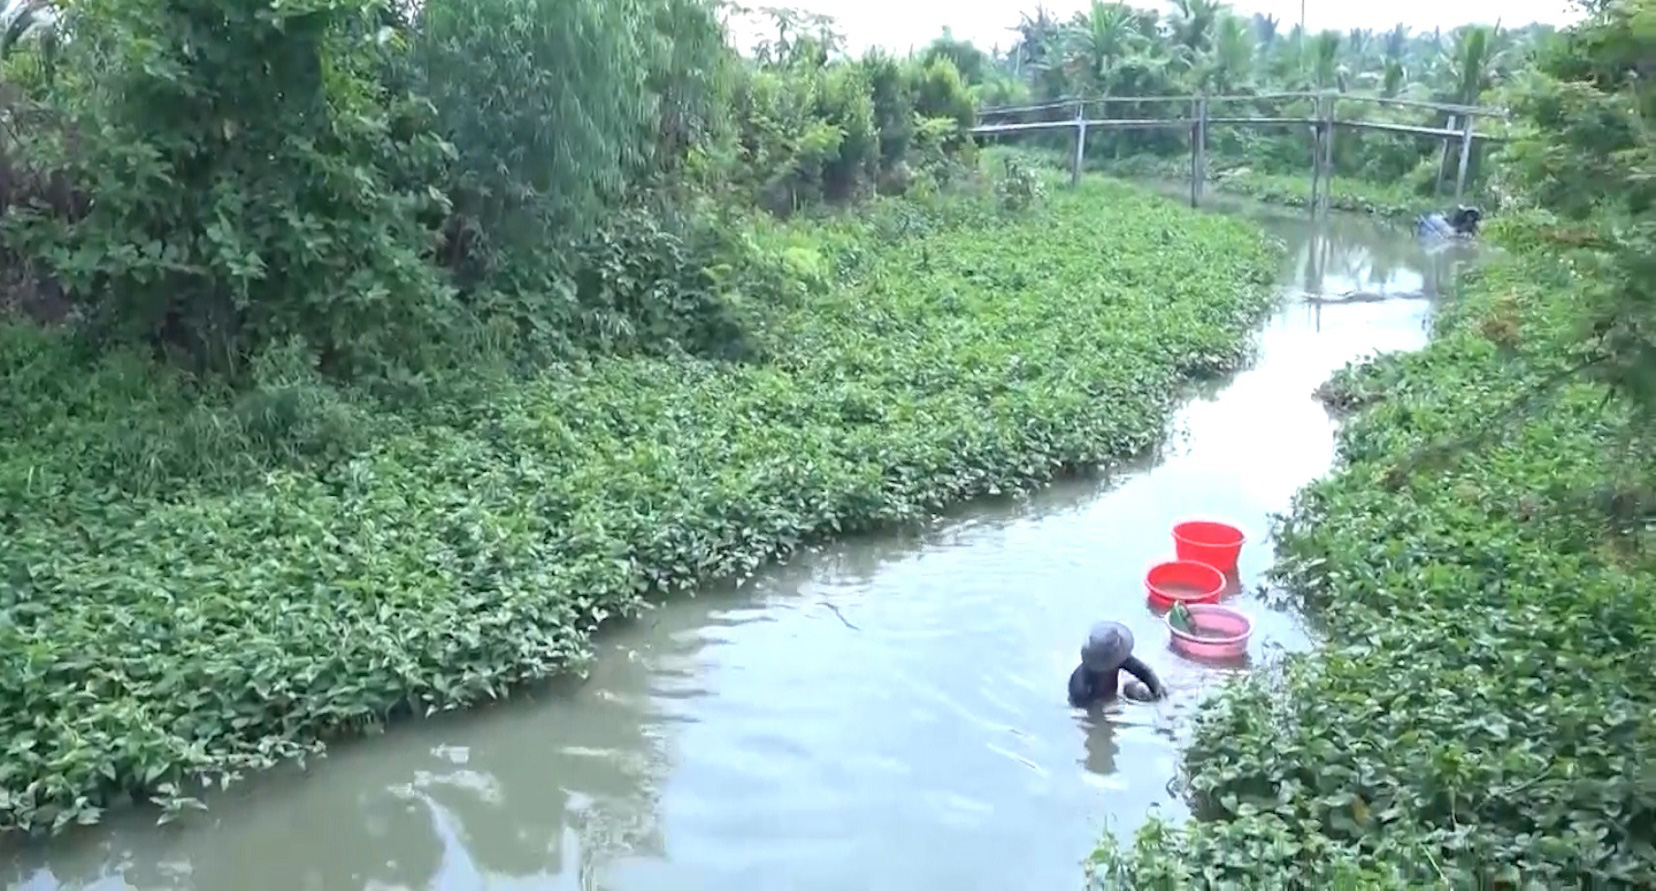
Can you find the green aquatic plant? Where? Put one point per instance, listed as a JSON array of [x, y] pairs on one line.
[[1476, 714], [186, 598], [1179, 618]]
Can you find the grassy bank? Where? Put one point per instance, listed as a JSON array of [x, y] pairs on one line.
[[1348, 194], [1388, 201], [1480, 710], [200, 587]]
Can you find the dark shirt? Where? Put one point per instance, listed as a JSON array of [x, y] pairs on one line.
[[1087, 686]]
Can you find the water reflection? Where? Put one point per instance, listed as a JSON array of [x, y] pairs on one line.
[[456, 802], [1100, 746], [1337, 264], [887, 713]]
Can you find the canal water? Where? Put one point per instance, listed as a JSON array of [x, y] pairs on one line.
[[884, 714]]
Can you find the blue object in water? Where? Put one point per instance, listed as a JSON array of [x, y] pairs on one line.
[[1463, 223], [1433, 225]]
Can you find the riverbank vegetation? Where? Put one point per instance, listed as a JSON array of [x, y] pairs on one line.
[[376, 393], [1387, 201], [1481, 562]]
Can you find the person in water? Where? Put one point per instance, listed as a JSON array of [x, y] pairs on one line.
[[1466, 219], [1461, 223], [1107, 652]]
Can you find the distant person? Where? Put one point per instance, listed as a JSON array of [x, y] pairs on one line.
[[1462, 223], [1466, 219], [1108, 652]]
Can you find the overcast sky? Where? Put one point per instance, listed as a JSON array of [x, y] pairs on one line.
[[899, 24]]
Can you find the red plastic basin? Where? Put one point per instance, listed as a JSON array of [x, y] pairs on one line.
[[1221, 633], [1206, 541], [1184, 581]]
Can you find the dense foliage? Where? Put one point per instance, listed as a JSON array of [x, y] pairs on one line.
[[194, 588], [430, 179], [1118, 50], [1482, 562]]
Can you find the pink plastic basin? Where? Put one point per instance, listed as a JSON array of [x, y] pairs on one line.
[[1206, 541], [1183, 580], [1222, 633]]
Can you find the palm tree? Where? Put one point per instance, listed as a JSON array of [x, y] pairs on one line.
[[1193, 22], [1287, 65], [1035, 37], [1466, 64], [1359, 45], [1230, 67], [1326, 70], [1040, 53], [1265, 30], [1096, 43]]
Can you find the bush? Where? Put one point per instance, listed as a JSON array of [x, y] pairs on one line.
[[228, 216], [508, 77], [660, 280], [941, 94], [1018, 187], [816, 131], [565, 119], [892, 92], [464, 174], [175, 626]]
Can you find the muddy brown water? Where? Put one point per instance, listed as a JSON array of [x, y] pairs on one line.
[[887, 713]]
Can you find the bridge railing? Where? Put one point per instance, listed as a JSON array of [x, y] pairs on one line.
[[1322, 121]]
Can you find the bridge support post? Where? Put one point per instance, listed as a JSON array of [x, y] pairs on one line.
[[1198, 149], [1080, 144], [1443, 161], [1316, 153], [1465, 156], [1328, 153]]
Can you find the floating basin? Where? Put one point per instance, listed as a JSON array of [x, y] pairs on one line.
[[1220, 632], [1209, 541], [1183, 581]]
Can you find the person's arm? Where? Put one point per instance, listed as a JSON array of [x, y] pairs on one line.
[[1136, 667], [1080, 687]]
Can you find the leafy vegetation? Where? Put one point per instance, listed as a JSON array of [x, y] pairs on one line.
[[195, 587], [376, 391], [1499, 491]]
